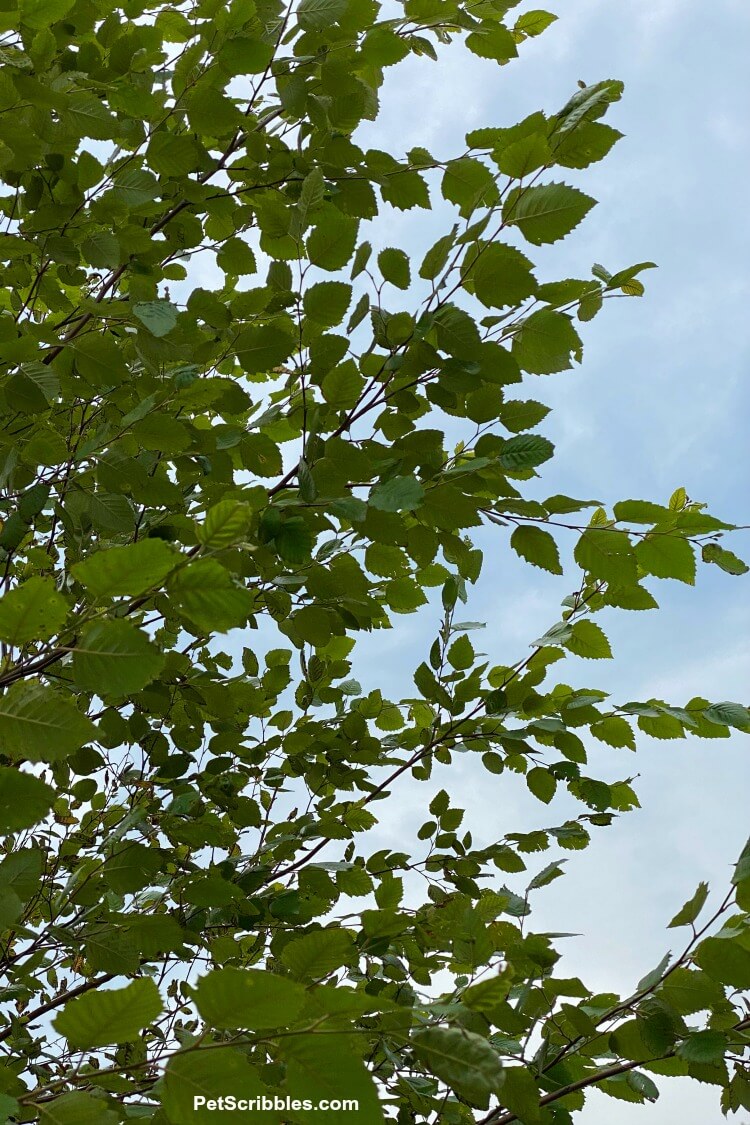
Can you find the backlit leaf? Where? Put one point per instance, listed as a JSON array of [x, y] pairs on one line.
[[537, 547], [547, 212], [41, 725], [115, 658], [33, 611], [114, 1015]]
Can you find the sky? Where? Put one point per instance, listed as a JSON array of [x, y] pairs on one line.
[[661, 400]]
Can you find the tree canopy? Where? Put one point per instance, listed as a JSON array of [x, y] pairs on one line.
[[236, 439]]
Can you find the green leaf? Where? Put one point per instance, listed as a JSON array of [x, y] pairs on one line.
[[724, 559], [21, 872], [542, 784], [502, 276], [615, 731], [590, 305], [106, 1016], [226, 523], [210, 112], [318, 953], [173, 156], [360, 260], [260, 350], [78, 1108], [557, 635], [236, 257], [725, 961], [111, 513], [397, 494], [704, 1047], [547, 875], [134, 186], [728, 714], [563, 505], [518, 415], [520, 1094], [319, 14], [101, 249], [524, 156], [132, 866], [667, 556], [466, 1062], [607, 555], [469, 184], [40, 725], [546, 213], [659, 1025], [127, 571], [326, 303], [208, 1075], [661, 726], [248, 998], [9, 1109], [405, 190], [588, 640], [294, 541], [99, 361], [588, 102], [324, 1067], [630, 597], [639, 511], [461, 653], [343, 385], [742, 867], [546, 343], [625, 279], [33, 611], [115, 658], [89, 117], [404, 595], [311, 195], [33, 387], [589, 143], [394, 266], [24, 800], [43, 13], [492, 41], [643, 1085], [331, 243], [534, 22], [206, 594], [436, 257], [457, 334], [691, 990], [159, 317], [489, 993], [692, 908], [525, 452], [537, 547]]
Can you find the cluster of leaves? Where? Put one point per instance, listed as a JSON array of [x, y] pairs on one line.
[[188, 904]]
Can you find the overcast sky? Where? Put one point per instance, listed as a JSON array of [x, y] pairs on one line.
[[661, 400]]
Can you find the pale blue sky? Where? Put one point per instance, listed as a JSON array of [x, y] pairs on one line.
[[660, 401]]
